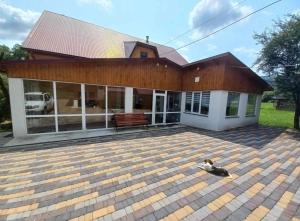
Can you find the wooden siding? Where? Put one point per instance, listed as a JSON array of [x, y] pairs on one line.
[[238, 79], [149, 73], [142, 74], [138, 49], [211, 77]]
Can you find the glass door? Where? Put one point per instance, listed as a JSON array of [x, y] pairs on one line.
[[159, 109]]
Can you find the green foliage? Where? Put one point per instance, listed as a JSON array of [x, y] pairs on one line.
[[15, 53], [280, 56], [269, 116], [268, 96]]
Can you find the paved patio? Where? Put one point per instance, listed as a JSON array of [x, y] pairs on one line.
[[153, 175]]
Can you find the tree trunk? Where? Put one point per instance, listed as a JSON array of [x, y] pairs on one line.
[[297, 115]]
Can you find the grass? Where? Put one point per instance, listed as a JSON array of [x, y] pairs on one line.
[[269, 116]]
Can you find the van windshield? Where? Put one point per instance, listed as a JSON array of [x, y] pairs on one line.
[[34, 97]]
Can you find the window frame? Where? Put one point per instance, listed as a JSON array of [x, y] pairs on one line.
[[200, 103], [238, 106], [255, 105]]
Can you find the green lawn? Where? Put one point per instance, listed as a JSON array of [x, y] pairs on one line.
[[269, 116]]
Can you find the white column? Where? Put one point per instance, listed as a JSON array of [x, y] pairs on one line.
[[128, 99], [183, 96], [153, 107], [17, 106], [243, 106]]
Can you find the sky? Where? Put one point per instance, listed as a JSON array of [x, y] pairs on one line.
[[162, 20]]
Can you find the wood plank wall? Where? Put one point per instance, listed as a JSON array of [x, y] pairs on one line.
[[211, 77], [150, 74], [143, 74]]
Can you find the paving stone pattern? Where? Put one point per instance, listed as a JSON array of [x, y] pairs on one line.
[[153, 175]]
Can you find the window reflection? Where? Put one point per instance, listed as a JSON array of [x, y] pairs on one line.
[[142, 100], [173, 101], [68, 98], [94, 99], [116, 99], [38, 97]]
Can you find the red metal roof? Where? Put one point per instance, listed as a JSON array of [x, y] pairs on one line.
[[61, 34]]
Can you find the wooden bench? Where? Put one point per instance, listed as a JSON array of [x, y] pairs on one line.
[[127, 120]]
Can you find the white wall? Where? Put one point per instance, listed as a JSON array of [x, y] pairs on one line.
[[216, 119], [17, 105]]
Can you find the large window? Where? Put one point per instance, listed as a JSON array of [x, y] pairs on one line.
[[142, 100], [39, 106], [197, 102], [69, 107], [251, 105], [205, 98], [173, 101], [232, 108], [68, 98], [188, 102], [94, 99], [38, 97], [173, 107], [116, 99]]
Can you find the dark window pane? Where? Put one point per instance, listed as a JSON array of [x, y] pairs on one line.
[[68, 98], [160, 103], [251, 105], [173, 101], [196, 102], [205, 102], [40, 125], [144, 54], [142, 100], [116, 99], [94, 99], [232, 108], [109, 121], [38, 97], [173, 118], [95, 122], [188, 101], [159, 118], [69, 123]]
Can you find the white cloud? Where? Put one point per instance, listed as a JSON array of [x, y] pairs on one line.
[[250, 52], [209, 15], [15, 22], [105, 4]]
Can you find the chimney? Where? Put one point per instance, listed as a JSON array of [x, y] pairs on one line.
[[147, 39]]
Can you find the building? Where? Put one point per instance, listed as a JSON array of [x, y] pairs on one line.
[[80, 74]]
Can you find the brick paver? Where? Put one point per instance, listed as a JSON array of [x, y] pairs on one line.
[[154, 176]]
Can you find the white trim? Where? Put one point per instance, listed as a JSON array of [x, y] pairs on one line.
[[106, 107], [83, 119], [55, 106]]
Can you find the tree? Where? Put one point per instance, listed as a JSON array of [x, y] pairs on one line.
[[280, 57], [15, 53]]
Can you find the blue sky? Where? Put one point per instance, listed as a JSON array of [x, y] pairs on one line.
[[160, 19]]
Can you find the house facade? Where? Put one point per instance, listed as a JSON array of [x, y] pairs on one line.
[[79, 75]]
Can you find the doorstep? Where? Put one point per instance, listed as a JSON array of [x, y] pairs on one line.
[[75, 135]]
